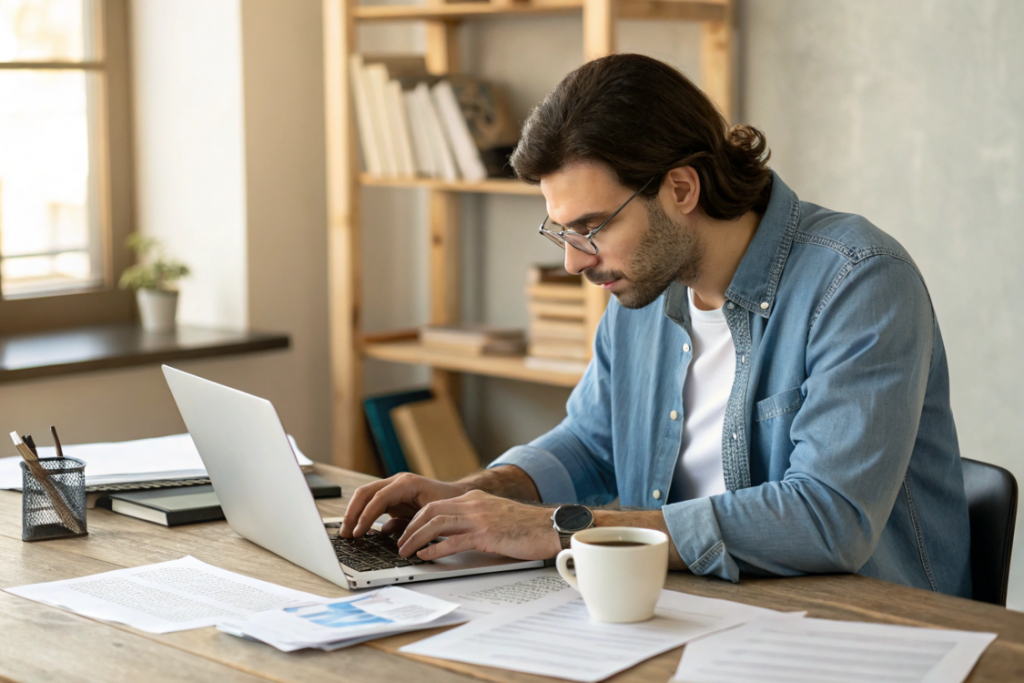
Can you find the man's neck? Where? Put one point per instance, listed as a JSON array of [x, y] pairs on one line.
[[725, 243]]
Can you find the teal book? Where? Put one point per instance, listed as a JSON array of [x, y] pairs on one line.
[[378, 415]]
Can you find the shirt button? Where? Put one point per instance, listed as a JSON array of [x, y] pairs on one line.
[[674, 415], [731, 305], [734, 437], [656, 494], [764, 305], [686, 348], [743, 359]]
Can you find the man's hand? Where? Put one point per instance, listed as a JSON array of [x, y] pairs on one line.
[[481, 521], [400, 496]]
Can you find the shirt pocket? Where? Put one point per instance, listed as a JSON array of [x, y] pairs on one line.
[[788, 401]]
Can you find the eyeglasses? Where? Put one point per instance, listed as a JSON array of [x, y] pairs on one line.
[[584, 243]]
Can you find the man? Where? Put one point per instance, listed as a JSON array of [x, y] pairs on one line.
[[769, 385]]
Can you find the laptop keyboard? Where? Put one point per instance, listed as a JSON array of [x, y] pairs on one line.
[[373, 551]]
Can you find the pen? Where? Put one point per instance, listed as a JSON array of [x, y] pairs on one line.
[[30, 443], [56, 442], [60, 506]]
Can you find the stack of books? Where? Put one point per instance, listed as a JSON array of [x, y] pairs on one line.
[[475, 340], [413, 124], [558, 335]]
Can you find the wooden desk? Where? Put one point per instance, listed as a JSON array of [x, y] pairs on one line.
[[41, 643]]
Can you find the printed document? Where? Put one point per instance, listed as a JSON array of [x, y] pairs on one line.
[[343, 622], [124, 462], [554, 635], [826, 651], [166, 597], [490, 593]]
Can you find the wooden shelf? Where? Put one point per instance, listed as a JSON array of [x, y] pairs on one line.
[[684, 10], [509, 367], [489, 186]]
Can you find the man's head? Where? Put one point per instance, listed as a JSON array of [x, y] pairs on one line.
[[610, 127]]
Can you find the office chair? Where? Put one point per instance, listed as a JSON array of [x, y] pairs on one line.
[[992, 506]]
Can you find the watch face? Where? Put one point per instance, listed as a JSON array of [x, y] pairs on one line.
[[571, 518]]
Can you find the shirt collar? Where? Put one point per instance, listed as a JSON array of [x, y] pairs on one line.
[[757, 279]]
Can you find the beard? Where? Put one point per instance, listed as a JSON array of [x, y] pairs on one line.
[[668, 252]]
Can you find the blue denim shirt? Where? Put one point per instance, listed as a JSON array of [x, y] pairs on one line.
[[839, 448]]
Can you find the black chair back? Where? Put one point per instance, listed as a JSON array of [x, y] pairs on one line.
[[992, 504]]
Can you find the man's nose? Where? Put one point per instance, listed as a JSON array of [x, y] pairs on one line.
[[576, 261]]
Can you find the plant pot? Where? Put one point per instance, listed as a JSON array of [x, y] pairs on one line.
[[157, 309]]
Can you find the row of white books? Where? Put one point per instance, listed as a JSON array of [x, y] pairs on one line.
[[423, 125]]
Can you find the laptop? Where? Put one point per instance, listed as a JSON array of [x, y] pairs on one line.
[[265, 498]]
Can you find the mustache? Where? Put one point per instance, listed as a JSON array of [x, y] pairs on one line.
[[599, 278]]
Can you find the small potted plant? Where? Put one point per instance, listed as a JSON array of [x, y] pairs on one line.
[[154, 280]]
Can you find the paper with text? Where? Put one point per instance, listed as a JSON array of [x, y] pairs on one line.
[[554, 635], [825, 651], [166, 597], [489, 593]]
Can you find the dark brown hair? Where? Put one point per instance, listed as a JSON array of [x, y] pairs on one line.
[[641, 118]]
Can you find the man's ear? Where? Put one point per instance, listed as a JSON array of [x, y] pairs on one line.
[[683, 187]]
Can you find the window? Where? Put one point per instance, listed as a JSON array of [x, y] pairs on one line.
[[65, 191]]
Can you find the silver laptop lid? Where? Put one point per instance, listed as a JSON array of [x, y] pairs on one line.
[[254, 471]]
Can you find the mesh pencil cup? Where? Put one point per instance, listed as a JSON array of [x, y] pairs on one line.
[[41, 518]]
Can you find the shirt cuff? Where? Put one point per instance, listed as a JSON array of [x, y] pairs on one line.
[[694, 530], [548, 473]]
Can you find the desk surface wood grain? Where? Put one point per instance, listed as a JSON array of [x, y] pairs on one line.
[[42, 643]]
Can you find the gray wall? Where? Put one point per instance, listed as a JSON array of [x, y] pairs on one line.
[[911, 113]]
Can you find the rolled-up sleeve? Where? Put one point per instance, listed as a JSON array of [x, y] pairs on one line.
[[547, 472]]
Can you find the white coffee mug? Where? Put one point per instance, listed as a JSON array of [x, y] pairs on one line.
[[620, 582]]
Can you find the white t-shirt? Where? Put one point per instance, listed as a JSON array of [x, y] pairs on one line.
[[698, 472]]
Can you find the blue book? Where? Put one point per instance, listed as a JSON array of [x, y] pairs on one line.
[[378, 415]]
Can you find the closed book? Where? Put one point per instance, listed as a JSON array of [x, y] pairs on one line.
[[377, 80], [434, 439], [558, 292], [444, 161], [554, 273], [573, 367], [493, 347], [467, 156], [556, 309], [364, 116], [490, 122], [378, 415], [189, 504], [400, 128], [418, 131], [552, 328]]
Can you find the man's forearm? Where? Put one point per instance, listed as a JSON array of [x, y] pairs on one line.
[[646, 519], [507, 481]]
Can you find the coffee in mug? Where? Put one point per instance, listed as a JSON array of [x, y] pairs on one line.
[[620, 571]]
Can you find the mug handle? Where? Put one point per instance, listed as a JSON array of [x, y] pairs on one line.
[[562, 564]]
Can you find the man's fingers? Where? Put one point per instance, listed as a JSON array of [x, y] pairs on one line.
[[442, 525], [355, 508], [449, 546], [452, 506], [392, 495], [395, 525]]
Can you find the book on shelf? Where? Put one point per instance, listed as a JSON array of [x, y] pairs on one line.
[[556, 309], [554, 273], [411, 123], [434, 439], [553, 328], [574, 367], [555, 291], [378, 416], [477, 340]]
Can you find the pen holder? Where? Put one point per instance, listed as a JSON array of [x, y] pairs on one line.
[[40, 518]]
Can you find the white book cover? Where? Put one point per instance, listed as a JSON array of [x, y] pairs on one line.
[[420, 138], [471, 167], [400, 127], [440, 149], [377, 77], [364, 118]]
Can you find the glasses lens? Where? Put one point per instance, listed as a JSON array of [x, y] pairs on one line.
[[580, 242], [554, 238]]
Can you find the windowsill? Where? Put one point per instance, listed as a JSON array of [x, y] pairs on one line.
[[120, 345]]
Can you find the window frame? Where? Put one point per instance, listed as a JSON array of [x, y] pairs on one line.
[[113, 182]]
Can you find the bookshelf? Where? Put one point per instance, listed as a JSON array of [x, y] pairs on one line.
[[349, 348]]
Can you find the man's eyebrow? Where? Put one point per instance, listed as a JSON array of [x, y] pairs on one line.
[[586, 218]]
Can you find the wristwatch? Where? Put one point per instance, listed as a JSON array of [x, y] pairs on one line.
[[568, 519]]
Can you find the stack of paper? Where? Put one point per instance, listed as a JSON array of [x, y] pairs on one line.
[[344, 622], [826, 651], [126, 462], [554, 636]]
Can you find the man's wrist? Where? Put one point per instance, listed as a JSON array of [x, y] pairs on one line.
[[507, 481]]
